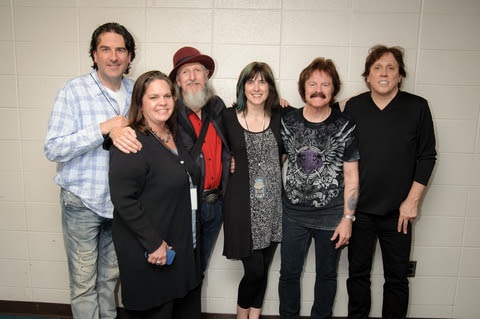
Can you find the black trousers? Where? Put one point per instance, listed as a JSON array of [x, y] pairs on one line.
[[395, 247]]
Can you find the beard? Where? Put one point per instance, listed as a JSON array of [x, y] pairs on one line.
[[196, 101]]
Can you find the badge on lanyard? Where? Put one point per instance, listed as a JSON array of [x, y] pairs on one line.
[[193, 197]]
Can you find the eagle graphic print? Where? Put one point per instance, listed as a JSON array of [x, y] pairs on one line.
[[315, 153]]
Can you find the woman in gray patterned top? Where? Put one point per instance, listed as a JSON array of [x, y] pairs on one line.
[[252, 205]]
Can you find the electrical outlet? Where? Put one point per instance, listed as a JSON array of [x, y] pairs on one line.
[[412, 267]]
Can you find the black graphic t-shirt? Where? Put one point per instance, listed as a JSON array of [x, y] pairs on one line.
[[314, 179]]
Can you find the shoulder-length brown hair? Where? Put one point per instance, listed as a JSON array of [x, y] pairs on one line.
[[376, 52], [320, 64], [135, 113]]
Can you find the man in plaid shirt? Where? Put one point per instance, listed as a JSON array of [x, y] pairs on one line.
[[85, 110]]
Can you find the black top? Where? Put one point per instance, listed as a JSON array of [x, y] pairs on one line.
[[150, 191], [397, 147], [236, 203]]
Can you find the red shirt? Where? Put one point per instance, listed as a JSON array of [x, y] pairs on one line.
[[212, 153]]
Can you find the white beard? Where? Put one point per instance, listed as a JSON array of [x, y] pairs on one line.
[[196, 101]]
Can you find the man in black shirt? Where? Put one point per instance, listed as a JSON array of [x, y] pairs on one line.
[[321, 189], [397, 156]]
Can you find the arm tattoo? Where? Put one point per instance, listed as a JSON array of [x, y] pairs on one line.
[[353, 200]]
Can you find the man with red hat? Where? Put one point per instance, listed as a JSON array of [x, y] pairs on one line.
[[200, 128]]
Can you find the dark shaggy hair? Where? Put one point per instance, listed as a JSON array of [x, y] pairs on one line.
[[116, 28], [377, 52]]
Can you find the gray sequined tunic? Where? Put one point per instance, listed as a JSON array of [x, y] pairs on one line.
[[265, 188]]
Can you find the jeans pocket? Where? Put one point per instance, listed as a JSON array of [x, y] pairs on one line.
[[71, 202], [207, 213]]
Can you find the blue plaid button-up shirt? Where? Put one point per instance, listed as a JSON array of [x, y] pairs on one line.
[[74, 139]]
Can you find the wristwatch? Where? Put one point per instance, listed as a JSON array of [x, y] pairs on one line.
[[350, 217]]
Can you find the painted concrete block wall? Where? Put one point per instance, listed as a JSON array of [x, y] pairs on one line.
[[43, 43]]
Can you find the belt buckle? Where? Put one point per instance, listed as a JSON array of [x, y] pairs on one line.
[[211, 198]]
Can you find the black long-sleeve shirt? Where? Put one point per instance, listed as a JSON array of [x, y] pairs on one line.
[[397, 147]]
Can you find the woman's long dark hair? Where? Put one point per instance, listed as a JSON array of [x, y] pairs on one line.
[[251, 71]]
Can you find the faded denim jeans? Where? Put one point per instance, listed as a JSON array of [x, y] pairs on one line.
[[211, 221], [92, 262]]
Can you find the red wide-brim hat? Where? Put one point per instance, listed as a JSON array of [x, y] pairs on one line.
[[187, 55]]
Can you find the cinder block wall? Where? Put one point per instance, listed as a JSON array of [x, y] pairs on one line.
[[43, 43]]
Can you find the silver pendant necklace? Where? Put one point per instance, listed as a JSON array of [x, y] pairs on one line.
[[259, 185]]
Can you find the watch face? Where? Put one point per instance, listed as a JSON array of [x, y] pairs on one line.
[[350, 217]]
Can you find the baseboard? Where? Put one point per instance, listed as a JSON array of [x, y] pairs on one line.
[[26, 308], [43, 309], [63, 311]]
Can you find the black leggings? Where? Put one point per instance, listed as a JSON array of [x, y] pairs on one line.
[[251, 289]]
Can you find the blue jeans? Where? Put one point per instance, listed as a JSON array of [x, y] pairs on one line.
[[92, 262], [210, 222], [395, 248], [294, 247]]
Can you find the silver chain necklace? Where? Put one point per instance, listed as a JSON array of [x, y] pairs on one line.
[[246, 124]]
